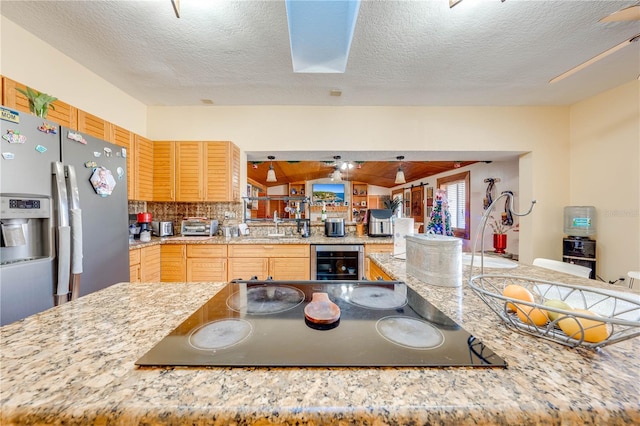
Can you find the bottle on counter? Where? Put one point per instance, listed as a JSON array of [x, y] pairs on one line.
[[324, 213]]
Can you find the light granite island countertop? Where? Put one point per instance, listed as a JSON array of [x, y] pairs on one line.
[[74, 364]]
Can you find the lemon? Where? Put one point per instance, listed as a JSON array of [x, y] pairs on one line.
[[531, 315], [514, 291], [594, 331], [558, 304]]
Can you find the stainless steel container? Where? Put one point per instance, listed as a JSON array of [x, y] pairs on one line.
[[334, 227], [162, 228], [379, 222]]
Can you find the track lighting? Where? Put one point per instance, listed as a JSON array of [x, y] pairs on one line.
[[400, 173], [271, 174]]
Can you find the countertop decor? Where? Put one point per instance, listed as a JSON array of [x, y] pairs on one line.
[[74, 364]]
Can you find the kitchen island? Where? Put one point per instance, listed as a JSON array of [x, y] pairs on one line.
[[74, 364]]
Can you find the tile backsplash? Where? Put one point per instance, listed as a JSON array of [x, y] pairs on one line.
[[175, 212]]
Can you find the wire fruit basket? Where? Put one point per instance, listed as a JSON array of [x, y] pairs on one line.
[[563, 313]]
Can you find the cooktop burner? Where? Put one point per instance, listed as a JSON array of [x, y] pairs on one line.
[[262, 323], [266, 299]]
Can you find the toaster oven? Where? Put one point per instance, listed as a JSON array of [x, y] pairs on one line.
[[199, 226]]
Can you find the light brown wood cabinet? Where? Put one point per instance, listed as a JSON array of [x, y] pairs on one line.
[[63, 114], [164, 164], [124, 138], [279, 261], [174, 263], [143, 169], [196, 171], [376, 273], [94, 126], [374, 248], [206, 262], [144, 264]]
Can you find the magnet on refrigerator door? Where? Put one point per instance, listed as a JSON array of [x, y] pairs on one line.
[[14, 137], [102, 181], [76, 137]]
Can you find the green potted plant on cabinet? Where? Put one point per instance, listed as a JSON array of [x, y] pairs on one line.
[[39, 103]]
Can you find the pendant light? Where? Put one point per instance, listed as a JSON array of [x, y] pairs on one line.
[[271, 174], [400, 173]]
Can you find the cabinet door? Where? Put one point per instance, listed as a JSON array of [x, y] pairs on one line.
[[164, 171], [246, 267], [124, 138], [150, 264], [222, 171], [143, 168], [63, 114], [376, 273], [174, 263], [94, 126], [206, 269], [281, 268], [374, 248], [134, 266], [189, 171]]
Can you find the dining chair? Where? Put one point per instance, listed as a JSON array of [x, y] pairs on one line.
[[633, 275], [568, 268]]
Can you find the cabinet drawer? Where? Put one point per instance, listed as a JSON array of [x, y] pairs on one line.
[[378, 248], [134, 257], [199, 270], [247, 267], [269, 250], [172, 251], [207, 250]]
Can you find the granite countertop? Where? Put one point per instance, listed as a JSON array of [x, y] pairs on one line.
[[256, 239], [74, 364]]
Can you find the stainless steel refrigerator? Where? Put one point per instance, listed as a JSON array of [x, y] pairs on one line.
[[63, 215]]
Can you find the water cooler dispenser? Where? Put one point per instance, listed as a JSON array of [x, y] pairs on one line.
[[577, 247]]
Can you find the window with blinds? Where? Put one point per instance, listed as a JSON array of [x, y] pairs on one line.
[[457, 187], [456, 197]]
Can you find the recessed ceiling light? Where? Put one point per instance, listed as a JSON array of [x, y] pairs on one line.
[[206, 101], [335, 92]]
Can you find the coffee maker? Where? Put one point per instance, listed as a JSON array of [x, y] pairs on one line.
[[144, 227]]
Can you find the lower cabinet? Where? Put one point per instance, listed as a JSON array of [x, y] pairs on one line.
[[144, 264], [376, 273], [374, 248], [278, 261], [206, 262], [174, 263]]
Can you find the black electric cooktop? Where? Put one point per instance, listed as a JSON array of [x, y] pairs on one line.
[[263, 324]]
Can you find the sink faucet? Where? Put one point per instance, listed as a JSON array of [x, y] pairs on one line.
[[275, 219]]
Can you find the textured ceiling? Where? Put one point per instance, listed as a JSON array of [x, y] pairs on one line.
[[403, 52]]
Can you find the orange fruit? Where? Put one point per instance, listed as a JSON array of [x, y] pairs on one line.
[[594, 331], [514, 291], [531, 315]]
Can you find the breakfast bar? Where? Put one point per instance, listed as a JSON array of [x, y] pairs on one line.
[[75, 364]]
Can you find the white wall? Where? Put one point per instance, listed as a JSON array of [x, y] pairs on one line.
[[29, 60], [604, 172], [508, 175]]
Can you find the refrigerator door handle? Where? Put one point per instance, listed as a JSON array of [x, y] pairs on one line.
[[64, 235], [75, 219]]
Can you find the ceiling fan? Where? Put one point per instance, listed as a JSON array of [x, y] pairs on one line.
[[631, 13]]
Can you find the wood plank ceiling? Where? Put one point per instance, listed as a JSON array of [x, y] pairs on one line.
[[380, 173]]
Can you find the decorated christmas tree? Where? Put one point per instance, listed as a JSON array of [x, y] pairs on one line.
[[440, 220]]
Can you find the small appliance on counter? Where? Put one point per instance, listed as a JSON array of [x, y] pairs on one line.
[[334, 227], [143, 227], [162, 228], [199, 226], [379, 221]]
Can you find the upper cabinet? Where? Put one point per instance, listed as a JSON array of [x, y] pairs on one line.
[[124, 138], [164, 163], [196, 171], [143, 166], [94, 126], [222, 171], [63, 114]]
